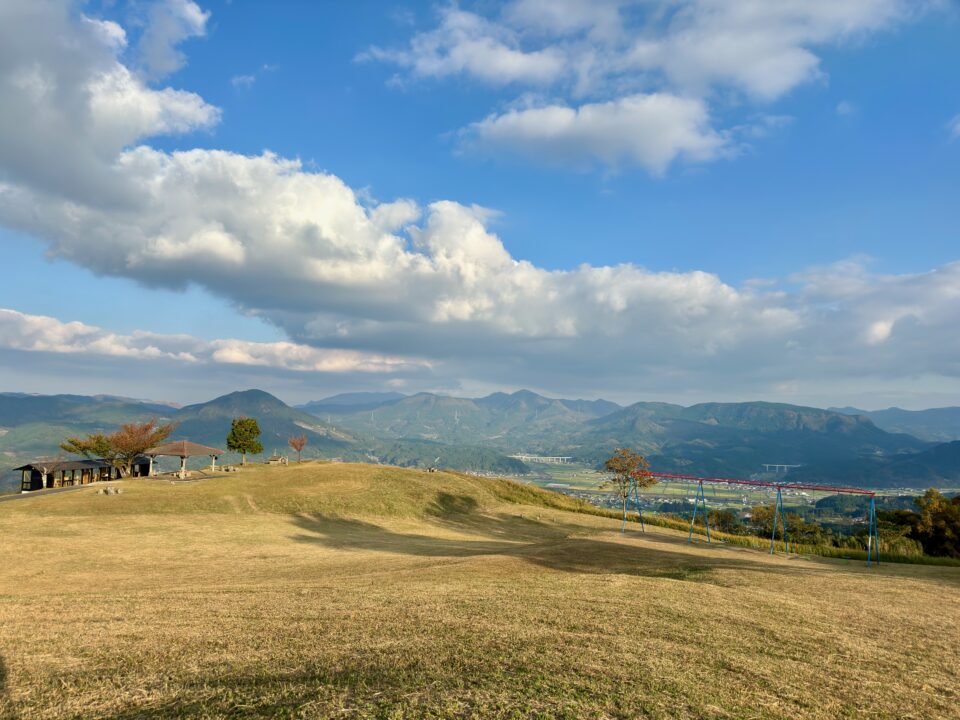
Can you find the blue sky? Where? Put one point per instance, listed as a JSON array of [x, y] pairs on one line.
[[799, 241]]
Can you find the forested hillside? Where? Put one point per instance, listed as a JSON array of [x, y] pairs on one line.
[[478, 434]]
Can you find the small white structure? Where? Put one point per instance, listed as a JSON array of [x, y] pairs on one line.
[[549, 459]]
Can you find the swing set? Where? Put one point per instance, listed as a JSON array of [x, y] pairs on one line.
[[873, 536]]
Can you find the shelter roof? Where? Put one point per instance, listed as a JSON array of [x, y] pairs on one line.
[[56, 465], [183, 449], [52, 465]]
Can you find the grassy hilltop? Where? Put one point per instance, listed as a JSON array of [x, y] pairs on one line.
[[360, 591]]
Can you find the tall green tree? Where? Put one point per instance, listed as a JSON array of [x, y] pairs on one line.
[[244, 438], [627, 467]]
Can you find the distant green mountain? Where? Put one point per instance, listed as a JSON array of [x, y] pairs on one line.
[[20, 408], [518, 421], [33, 426], [937, 466], [350, 402], [732, 439], [735, 439], [209, 423], [935, 425]]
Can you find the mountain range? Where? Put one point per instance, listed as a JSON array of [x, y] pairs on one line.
[[840, 446], [934, 425]]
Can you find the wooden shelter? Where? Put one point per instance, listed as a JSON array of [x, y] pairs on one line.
[[55, 473], [184, 449]]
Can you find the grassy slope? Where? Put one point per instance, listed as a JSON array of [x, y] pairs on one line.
[[354, 591]]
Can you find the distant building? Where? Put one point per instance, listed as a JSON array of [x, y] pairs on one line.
[[44, 474]]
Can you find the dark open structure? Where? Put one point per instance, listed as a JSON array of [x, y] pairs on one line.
[[44, 474]]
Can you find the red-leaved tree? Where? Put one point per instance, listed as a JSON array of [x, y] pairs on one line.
[[298, 443]]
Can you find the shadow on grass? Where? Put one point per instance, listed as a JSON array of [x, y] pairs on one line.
[[381, 689], [547, 543]]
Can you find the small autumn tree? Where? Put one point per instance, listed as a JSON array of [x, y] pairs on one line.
[[132, 439], [122, 447], [626, 468], [297, 443], [244, 437]]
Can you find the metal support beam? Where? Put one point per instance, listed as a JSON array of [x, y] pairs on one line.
[[700, 497], [636, 501], [778, 508], [873, 535]]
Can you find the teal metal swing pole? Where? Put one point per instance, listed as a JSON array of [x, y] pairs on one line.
[[626, 502], [706, 513], [696, 502], [700, 497], [778, 509], [636, 501], [873, 534]]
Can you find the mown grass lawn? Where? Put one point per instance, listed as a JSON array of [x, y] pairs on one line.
[[358, 591]]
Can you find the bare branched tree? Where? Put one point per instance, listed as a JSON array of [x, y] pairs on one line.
[[298, 443]]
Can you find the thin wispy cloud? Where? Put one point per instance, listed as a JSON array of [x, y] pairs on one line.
[[845, 108], [954, 127], [43, 334], [245, 82]]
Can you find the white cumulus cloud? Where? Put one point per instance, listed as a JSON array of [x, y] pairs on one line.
[[598, 57], [466, 43], [70, 106], [646, 130], [169, 23]]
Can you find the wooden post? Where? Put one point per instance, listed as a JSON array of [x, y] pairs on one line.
[[213, 463], [183, 468], [150, 469]]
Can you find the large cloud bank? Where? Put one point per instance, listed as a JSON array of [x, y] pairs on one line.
[[360, 285]]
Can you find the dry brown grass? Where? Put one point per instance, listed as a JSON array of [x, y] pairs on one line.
[[296, 592]]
